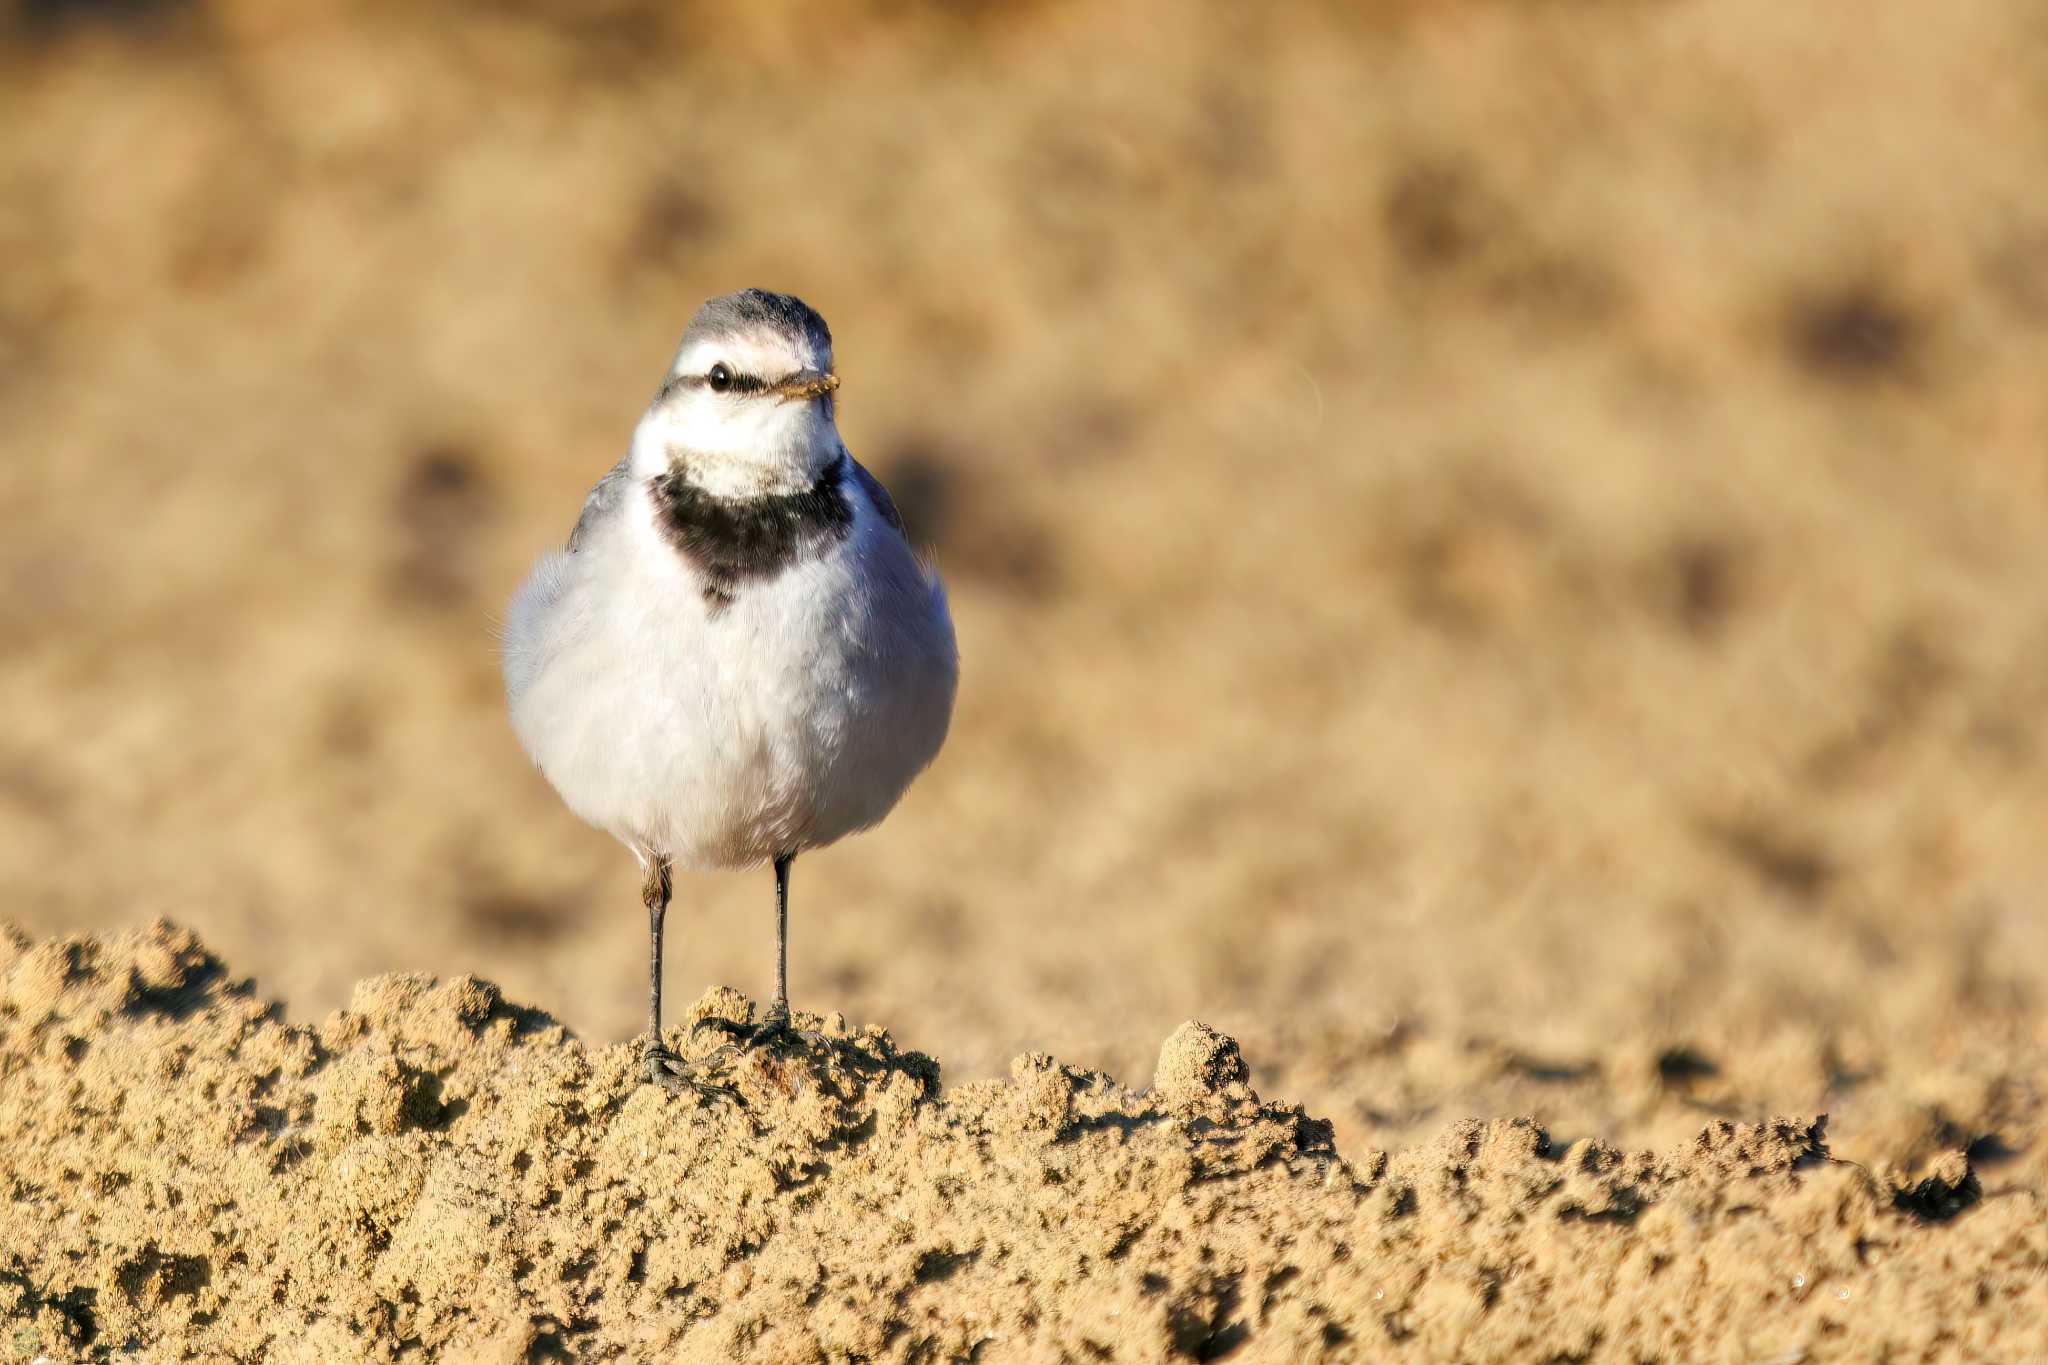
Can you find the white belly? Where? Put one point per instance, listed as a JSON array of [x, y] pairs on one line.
[[793, 717]]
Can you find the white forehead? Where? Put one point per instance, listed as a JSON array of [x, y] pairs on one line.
[[767, 353]]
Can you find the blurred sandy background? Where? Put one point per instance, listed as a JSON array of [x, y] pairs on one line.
[[1498, 547]]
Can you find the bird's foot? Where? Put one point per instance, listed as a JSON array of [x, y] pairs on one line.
[[775, 1033], [779, 1034], [671, 1073]]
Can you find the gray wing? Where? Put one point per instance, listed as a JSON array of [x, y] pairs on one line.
[[604, 500], [879, 496], [522, 641]]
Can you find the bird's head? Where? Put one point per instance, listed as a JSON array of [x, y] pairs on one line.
[[746, 408]]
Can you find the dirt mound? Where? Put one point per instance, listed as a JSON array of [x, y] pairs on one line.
[[435, 1170]]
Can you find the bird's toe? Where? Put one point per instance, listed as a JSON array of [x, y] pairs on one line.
[[663, 1068], [778, 1034]]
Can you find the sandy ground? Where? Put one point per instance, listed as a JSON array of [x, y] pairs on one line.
[[1498, 555], [433, 1171]]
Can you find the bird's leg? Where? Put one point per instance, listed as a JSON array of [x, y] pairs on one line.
[[776, 1030], [781, 1010], [661, 1066], [654, 894]]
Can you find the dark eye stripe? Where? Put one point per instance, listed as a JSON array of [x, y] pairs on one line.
[[738, 383]]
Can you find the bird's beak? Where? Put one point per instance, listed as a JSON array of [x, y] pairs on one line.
[[807, 384]]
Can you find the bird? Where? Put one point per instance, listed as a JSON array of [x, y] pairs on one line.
[[737, 656]]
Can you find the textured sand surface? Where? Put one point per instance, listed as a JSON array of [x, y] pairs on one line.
[[434, 1172]]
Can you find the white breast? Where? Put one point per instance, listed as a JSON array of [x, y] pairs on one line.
[[796, 715]]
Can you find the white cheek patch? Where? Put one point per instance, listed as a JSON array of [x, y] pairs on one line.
[[711, 423]]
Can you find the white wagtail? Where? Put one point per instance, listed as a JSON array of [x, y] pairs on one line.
[[736, 657]]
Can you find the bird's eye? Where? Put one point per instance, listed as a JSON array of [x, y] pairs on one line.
[[720, 378]]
